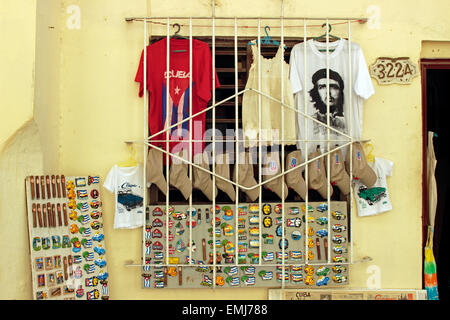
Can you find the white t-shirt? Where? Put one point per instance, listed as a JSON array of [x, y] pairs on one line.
[[126, 184], [374, 200], [343, 117]]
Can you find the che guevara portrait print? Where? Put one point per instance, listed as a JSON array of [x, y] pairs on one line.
[[318, 95]]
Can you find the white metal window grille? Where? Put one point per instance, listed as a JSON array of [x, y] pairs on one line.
[[148, 141]]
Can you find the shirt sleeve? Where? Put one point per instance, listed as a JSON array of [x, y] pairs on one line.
[[363, 83], [387, 166], [110, 179], [140, 73], [294, 72]]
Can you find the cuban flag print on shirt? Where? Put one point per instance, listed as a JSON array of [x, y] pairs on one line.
[[178, 107]]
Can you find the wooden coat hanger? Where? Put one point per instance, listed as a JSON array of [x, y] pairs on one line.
[[131, 161]]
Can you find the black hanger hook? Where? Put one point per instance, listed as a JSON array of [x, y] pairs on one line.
[[175, 25], [329, 27]]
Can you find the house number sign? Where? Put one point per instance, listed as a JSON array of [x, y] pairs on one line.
[[393, 70]]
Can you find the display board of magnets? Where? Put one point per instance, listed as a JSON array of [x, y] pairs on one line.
[[67, 248], [247, 247]]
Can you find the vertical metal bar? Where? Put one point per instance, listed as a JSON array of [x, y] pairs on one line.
[[350, 81], [144, 203], [283, 236], [305, 104], [259, 138], [167, 138], [214, 143], [328, 133], [190, 138], [236, 117]]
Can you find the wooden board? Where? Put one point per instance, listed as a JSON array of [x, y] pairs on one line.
[[64, 221], [252, 257]]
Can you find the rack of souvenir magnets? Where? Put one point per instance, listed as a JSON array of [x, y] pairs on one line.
[[66, 239], [252, 256]]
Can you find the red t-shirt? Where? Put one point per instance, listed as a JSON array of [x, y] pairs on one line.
[[178, 107]]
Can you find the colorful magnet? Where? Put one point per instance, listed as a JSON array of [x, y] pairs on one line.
[[253, 220], [338, 215], [95, 204], [86, 243], [76, 246], [179, 230], [157, 223], [294, 222], [253, 208], [293, 211], [322, 207], [45, 243], [94, 194], [157, 212], [338, 239], [180, 246], [156, 233], [36, 243], [98, 237], [296, 235], [88, 256], [99, 250], [278, 209], [95, 225], [96, 214], [284, 244], [322, 220], [80, 182], [194, 212], [339, 259], [228, 213], [267, 222], [267, 256], [322, 281], [267, 209], [56, 242], [83, 206], [229, 247], [323, 271], [227, 229], [296, 255], [268, 238], [82, 194], [242, 210], [322, 233], [338, 228], [296, 277], [338, 269], [93, 179], [279, 231], [254, 231], [194, 223]]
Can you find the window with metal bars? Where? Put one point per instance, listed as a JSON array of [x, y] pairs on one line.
[[225, 115]]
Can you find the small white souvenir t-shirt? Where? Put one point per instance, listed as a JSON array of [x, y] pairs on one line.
[[126, 184], [374, 200]]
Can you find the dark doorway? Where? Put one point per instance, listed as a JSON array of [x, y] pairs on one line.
[[436, 111]]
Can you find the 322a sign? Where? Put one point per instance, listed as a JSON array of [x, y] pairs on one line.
[[393, 70]]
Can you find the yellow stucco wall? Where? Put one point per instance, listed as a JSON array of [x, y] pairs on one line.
[[84, 104]]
